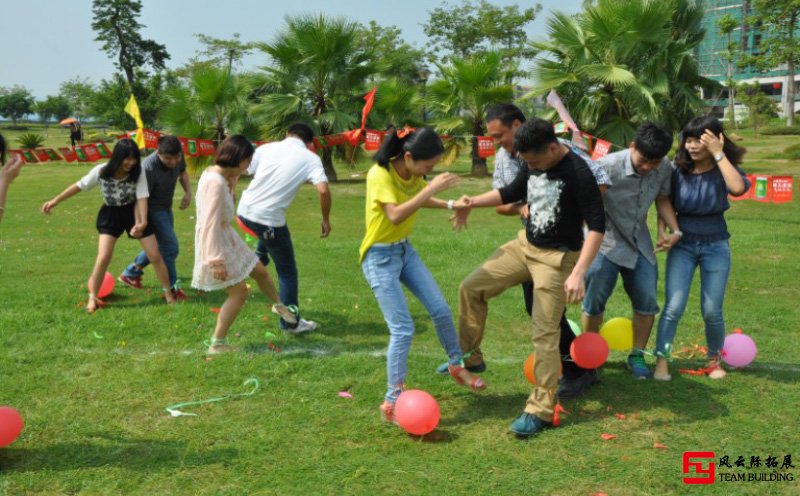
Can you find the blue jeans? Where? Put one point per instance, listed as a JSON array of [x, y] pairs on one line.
[[163, 223], [714, 259], [276, 242], [639, 283], [387, 269]]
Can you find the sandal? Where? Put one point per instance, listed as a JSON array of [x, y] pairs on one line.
[[98, 304], [475, 382], [387, 413], [219, 346], [288, 313]]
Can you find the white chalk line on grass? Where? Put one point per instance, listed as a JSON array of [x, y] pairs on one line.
[[374, 353]]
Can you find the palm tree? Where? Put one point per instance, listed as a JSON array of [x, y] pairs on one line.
[[317, 76], [211, 106], [622, 62], [459, 99]]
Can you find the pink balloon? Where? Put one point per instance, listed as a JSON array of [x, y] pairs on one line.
[[589, 350], [739, 350], [417, 412], [107, 286], [10, 425]]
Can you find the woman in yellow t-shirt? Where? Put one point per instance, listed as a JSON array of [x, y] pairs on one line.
[[396, 190]]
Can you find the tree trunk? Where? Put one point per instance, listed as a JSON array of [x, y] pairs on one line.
[[479, 168], [327, 164]]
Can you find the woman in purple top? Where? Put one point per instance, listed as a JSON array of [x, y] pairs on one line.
[[705, 171]]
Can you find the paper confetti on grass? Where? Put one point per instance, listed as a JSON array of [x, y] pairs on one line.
[[607, 437]]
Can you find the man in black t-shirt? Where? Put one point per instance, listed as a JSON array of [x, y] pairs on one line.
[[562, 194]]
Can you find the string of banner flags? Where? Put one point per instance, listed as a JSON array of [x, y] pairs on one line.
[[766, 188]]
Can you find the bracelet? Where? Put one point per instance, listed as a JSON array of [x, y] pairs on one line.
[[450, 204], [678, 232], [720, 156]]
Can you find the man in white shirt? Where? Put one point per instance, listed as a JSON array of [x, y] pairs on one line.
[[278, 170]]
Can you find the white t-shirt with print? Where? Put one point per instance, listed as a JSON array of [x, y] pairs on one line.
[[280, 169], [116, 192]]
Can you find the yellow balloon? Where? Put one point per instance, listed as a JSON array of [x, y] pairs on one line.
[[618, 333]]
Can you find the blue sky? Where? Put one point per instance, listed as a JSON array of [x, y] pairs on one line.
[[45, 42]]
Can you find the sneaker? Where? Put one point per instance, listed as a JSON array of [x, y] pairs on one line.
[[572, 388], [179, 295], [638, 367], [303, 326], [715, 370], [134, 282], [443, 369], [527, 425]]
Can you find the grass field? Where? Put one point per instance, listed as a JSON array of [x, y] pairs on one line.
[[93, 388]]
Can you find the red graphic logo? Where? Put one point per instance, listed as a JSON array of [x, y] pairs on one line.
[[707, 473]]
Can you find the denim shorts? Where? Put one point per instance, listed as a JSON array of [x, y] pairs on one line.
[[639, 283]]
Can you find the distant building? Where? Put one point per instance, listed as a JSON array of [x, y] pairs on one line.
[[748, 38]]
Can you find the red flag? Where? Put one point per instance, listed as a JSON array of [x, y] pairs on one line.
[[370, 99], [485, 146], [92, 155], [601, 149], [206, 147], [352, 136], [41, 155], [68, 153], [781, 188], [373, 140]]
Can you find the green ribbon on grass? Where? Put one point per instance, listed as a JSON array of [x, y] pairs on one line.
[[175, 411]]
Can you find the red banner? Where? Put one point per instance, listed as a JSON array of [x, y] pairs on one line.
[[373, 140], [761, 189], [26, 156], [41, 155], [601, 149], [103, 150], [782, 187], [68, 153], [81, 154], [206, 147], [92, 155], [485, 146], [52, 154]]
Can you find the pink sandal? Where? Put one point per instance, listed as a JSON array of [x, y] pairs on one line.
[[476, 383]]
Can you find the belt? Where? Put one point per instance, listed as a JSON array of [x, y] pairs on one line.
[[404, 240]]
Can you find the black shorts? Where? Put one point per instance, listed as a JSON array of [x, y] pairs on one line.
[[116, 220]]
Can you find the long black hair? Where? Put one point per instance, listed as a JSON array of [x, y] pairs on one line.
[[125, 148], [2, 150], [422, 143], [233, 151], [695, 129]]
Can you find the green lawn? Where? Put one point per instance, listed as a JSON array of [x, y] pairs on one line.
[[93, 388]]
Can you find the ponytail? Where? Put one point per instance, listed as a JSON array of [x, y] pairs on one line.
[[422, 143]]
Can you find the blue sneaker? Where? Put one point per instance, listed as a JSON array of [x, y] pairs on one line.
[[475, 369], [638, 367], [527, 425]]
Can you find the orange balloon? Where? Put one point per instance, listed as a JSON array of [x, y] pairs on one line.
[[527, 368]]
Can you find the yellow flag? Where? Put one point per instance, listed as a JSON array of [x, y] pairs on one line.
[[132, 109]]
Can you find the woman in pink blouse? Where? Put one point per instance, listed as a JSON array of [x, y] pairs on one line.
[[222, 260]]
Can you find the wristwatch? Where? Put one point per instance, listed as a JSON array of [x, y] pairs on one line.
[[450, 204], [678, 232], [719, 157]]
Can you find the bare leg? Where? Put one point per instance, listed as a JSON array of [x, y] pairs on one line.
[[591, 323], [642, 325], [150, 247], [237, 295], [105, 249], [265, 283]]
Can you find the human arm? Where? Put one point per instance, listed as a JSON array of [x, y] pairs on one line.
[[733, 178], [325, 201], [183, 178], [575, 285], [397, 213], [7, 175], [666, 217], [71, 191]]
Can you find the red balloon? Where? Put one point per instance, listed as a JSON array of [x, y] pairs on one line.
[[417, 412], [589, 350], [107, 286], [10, 425]]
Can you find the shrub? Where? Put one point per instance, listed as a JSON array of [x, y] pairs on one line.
[[98, 137], [30, 140], [792, 152], [781, 130]]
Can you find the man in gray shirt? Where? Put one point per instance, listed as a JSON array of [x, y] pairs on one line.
[[639, 176], [163, 170]]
